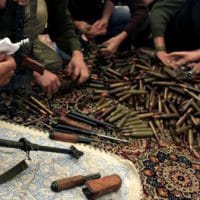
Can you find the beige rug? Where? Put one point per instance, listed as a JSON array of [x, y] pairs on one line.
[[34, 183]]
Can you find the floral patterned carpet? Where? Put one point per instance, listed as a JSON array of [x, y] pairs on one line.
[[167, 170]]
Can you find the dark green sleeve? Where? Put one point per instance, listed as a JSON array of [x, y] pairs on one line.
[[60, 26], [161, 14]]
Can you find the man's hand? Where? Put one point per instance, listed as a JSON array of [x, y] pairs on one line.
[[97, 28], [49, 82], [101, 24], [77, 68], [184, 57], [82, 26], [7, 67], [21, 2], [195, 67], [2, 4], [165, 58], [112, 45]]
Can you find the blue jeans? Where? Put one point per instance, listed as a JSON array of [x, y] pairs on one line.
[[118, 20]]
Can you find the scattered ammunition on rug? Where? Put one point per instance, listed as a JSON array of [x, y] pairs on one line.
[[183, 117], [107, 111], [159, 104], [95, 85], [154, 130], [122, 121], [187, 87], [101, 101], [193, 95], [122, 93], [106, 104], [172, 107], [117, 117], [139, 135], [124, 97], [112, 71], [166, 116], [115, 112], [195, 106], [142, 67], [119, 89], [190, 138], [182, 129], [33, 106], [120, 84], [41, 105], [165, 107], [145, 115], [157, 74], [100, 91], [180, 91], [166, 93]]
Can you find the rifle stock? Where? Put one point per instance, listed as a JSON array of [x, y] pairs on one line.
[[32, 64]]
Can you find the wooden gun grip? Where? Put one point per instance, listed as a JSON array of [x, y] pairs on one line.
[[71, 122], [64, 137], [32, 64], [99, 187], [67, 183]]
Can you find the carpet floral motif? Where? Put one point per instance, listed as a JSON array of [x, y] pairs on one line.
[[170, 174]]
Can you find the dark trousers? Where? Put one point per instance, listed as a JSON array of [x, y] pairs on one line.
[[183, 31]]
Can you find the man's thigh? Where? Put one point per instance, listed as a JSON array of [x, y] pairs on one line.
[[47, 56]]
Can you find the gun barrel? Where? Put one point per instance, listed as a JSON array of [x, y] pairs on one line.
[[27, 146], [11, 144], [100, 123], [64, 128]]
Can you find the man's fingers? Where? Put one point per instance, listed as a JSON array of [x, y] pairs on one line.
[[2, 4], [84, 38], [84, 74], [182, 61], [76, 73], [69, 69], [107, 52], [177, 53], [55, 86]]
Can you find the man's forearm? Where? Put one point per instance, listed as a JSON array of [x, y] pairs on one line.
[[108, 9], [159, 43], [122, 36], [77, 53], [2, 4], [197, 52]]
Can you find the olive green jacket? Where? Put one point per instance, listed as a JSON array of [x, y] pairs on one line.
[[161, 14], [60, 26]]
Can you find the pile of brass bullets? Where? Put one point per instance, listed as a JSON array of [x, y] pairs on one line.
[[144, 98]]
